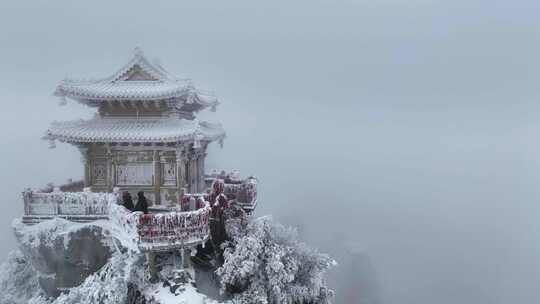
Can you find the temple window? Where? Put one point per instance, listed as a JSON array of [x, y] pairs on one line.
[[135, 174]]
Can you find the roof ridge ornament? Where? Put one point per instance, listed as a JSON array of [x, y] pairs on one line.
[[143, 65], [138, 52]]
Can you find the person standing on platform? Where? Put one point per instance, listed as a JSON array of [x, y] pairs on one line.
[[127, 201], [142, 203]]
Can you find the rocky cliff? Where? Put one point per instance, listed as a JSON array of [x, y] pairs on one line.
[[62, 262]]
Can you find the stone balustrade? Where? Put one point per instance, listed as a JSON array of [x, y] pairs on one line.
[[76, 206]]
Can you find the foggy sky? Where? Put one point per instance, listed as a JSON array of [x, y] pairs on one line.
[[406, 127]]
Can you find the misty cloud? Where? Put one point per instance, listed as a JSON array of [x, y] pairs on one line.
[[405, 127]]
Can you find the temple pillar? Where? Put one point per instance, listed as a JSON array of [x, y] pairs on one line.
[[157, 177], [114, 163], [85, 158], [181, 174], [185, 252], [192, 174], [200, 168], [110, 170]]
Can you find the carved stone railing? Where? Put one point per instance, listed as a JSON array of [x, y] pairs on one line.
[[174, 229], [71, 205]]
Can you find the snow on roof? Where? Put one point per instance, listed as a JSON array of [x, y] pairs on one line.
[[134, 130], [139, 79]]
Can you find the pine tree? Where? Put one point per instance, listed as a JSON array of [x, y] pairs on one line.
[[266, 263]]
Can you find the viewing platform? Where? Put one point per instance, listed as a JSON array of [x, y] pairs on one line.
[[166, 227], [144, 149]]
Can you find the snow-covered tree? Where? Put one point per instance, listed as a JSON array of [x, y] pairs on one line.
[[266, 263], [18, 281]]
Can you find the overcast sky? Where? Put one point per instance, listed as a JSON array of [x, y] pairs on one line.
[[407, 127]]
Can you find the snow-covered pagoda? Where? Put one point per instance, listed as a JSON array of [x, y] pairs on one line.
[[145, 135]]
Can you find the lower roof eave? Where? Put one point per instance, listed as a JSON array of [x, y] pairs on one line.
[[76, 141], [135, 131]]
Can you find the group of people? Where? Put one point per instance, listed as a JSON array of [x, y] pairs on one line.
[[142, 203], [219, 201]]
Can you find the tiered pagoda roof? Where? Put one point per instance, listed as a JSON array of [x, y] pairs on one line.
[[141, 103], [134, 130], [138, 80]]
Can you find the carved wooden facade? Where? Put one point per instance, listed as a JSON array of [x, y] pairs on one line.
[[145, 136], [163, 172]]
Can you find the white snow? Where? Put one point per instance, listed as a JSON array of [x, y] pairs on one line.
[[121, 226], [189, 296], [44, 232], [268, 261], [107, 286], [18, 281]]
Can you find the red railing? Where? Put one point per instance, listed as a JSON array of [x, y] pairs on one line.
[[174, 229], [242, 192], [183, 226]]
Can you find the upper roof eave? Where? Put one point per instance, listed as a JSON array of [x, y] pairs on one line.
[[91, 96], [114, 88]]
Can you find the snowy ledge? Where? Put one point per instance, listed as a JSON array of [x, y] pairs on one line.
[[171, 229]]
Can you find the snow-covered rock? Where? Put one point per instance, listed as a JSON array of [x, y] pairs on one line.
[[63, 262], [63, 253]]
